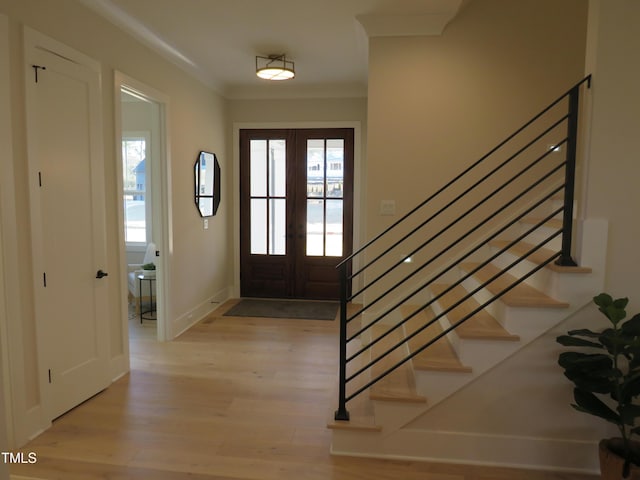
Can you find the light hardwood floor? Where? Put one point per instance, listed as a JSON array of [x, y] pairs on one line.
[[232, 398]]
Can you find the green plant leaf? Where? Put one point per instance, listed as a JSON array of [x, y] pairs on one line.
[[594, 373], [584, 332], [603, 300], [612, 309], [610, 338], [592, 383], [568, 341], [621, 303], [614, 313], [584, 360], [632, 326], [587, 402]]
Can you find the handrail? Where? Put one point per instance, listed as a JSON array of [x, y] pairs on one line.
[[468, 244]]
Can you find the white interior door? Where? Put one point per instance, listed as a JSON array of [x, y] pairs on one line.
[[68, 224]]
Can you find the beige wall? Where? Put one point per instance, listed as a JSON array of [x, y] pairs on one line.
[[614, 159], [198, 266], [436, 104]]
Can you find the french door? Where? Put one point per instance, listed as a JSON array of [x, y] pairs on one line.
[[296, 211]]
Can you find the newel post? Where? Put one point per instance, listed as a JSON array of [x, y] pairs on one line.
[[565, 258], [342, 413]]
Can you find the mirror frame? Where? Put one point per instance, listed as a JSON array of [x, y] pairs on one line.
[[207, 201]]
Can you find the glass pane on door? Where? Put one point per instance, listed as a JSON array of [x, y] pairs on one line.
[[334, 230], [268, 197], [325, 192], [335, 168]]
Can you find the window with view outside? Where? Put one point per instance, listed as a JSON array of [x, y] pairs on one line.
[[135, 172]]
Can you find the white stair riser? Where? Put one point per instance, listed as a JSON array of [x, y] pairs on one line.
[[540, 235], [453, 338], [543, 280], [515, 319]]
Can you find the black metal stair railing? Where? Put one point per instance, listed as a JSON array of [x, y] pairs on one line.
[[517, 187]]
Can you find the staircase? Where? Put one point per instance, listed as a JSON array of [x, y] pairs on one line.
[[489, 276]]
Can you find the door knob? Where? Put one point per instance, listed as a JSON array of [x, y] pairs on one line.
[[101, 274]]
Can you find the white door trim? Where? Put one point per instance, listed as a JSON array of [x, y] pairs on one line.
[[357, 180], [161, 197]]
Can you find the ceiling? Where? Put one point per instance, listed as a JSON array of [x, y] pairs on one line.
[[217, 40]]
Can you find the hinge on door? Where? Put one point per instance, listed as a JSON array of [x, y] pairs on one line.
[[44, 279], [39, 179], [49, 375], [35, 70]]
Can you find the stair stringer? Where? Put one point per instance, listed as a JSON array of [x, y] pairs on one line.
[[406, 430], [469, 418]]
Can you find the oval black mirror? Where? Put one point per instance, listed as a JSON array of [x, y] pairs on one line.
[[207, 184]]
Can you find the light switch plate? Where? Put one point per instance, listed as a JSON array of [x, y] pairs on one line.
[[387, 207]]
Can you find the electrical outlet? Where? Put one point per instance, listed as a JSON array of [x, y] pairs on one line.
[[206, 223]]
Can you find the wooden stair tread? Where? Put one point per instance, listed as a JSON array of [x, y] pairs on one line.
[[399, 385], [361, 417], [521, 295], [355, 423], [481, 326], [539, 256], [440, 356]]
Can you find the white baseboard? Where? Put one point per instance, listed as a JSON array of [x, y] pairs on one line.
[[118, 367], [507, 451], [30, 426], [193, 316]]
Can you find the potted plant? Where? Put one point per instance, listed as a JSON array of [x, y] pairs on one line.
[[607, 380], [149, 269]]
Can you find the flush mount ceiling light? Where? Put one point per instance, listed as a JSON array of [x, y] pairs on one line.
[[274, 67]]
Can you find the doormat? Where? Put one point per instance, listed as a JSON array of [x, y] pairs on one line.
[[302, 309]]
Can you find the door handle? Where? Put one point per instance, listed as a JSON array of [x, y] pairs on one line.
[[101, 274]]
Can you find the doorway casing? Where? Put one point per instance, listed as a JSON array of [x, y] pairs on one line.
[[161, 200]]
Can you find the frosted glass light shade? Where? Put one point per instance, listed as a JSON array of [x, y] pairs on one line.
[[274, 67]]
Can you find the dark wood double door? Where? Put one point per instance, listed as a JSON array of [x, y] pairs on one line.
[[296, 211]]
